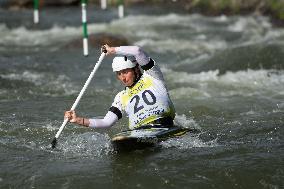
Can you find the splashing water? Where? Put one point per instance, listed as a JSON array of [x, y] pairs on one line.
[[90, 145]]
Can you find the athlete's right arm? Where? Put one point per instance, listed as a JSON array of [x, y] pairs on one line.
[[112, 116], [109, 120]]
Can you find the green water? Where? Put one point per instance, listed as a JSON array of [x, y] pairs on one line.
[[225, 77]]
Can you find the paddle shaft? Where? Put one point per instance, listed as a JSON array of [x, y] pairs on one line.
[[81, 92]]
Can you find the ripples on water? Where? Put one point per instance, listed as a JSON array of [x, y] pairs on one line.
[[224, 74]]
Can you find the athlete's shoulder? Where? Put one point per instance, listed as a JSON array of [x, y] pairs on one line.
[[121, 99], [155, 72], [120, 94]]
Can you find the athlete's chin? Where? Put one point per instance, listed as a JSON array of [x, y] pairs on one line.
[[127, 84]]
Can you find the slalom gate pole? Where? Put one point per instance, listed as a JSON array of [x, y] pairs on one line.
[[120, 8], [36, 13], [103, 4], [85, 29]]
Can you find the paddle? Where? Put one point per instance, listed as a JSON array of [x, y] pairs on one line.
[[54, 141]]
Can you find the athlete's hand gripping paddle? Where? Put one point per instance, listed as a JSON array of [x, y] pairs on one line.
[[54, 141]]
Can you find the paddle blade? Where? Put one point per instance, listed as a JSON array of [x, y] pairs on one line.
[[53, 143]]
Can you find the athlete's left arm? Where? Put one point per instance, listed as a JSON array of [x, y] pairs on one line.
[[142, 58]]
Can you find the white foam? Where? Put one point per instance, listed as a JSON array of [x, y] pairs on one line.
[[184, 77], [44, 81], [280, 105], [222, 18], [90, 145], [244, 83], [192, 48], [49, 126], [183, 121], [187, 142], [255, 79], [190, 33], [249, 24], [33, 77], [164, 32], [186, 92], [237, 26], [251, 112], [22, 36]]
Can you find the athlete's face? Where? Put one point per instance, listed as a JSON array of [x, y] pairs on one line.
[[126, 76]]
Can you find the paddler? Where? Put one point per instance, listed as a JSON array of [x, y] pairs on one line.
[[145, 99]]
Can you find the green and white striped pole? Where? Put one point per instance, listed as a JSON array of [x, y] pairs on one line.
[[85, 30], [36, 14], [103, 4], [120, 8]]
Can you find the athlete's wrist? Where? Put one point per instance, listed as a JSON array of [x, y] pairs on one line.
[[82, 121]]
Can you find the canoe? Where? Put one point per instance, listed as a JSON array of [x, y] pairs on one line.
[[144, 137]]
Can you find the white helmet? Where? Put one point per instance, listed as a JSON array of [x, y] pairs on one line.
[[121, 63]]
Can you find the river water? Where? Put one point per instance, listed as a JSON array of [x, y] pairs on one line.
[[224, 74]]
